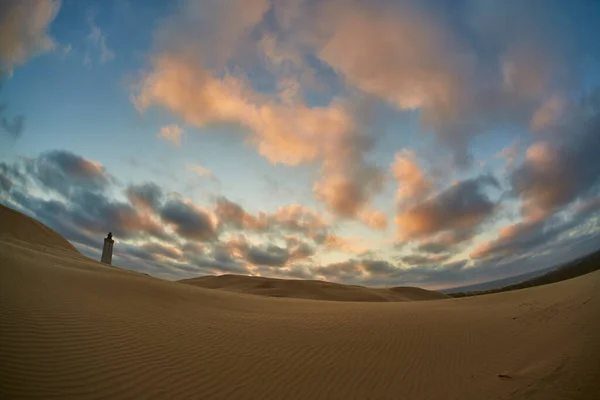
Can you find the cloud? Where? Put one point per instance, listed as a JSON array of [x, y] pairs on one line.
[[448, 241], [12, 126], [464, 74], [171, 133], [65, 173], [342, 244], [510, 154], [281, 126], [88, 215], [97, 37], [172, 237], [199, 170], [96, 213], [291, 218], [413, 182], [162, 250], [189, 221], [587, 207], [347, 193], [412, 67], [548, 114], [231, 214], [10, 175], [562, 169], [270, 255], [298, 218], [283, 134], [147, 196], [526, 237], [374, 219], [460, 67], [418, 63], [24, 31], [461, 207]]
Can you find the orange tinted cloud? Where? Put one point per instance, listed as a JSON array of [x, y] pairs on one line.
[[186, 79], [283, 133], [374, 219], [287, 134], [24, 31], [347, 189], [548, 114], [397, 53], [171, 133], [413, 184], [344, 244]]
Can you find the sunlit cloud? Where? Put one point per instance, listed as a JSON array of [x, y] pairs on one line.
[[24, 31], [472, 128], [171, 133]]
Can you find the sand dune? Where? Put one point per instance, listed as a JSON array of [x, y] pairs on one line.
[[17, 226], [71, 327], [316, 290]]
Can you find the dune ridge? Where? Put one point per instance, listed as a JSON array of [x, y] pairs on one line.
[[72, 328], [18, 226], [311, 289]]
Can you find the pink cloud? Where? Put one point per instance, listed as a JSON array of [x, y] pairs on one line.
[[413, 183], [551, 110], [171, 133], [24, 31]]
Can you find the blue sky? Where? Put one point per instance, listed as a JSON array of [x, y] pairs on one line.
[[378, 143]]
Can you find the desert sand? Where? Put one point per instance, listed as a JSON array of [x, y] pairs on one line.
[[71, 327]]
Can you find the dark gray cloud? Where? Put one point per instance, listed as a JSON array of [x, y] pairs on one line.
[[97, 213], [219, 260], [424, 259], [433, 247], [378, 267], [188, 221], [270, 255], [65, 173], [147, 194], [301, 251], [557, 184], [528, 237], [10, 175], [458, 210], [563, 167], [12, 126]]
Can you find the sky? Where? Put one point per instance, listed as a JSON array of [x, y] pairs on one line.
[[379, 143]]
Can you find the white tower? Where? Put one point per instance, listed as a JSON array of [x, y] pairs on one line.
[[107, 250]]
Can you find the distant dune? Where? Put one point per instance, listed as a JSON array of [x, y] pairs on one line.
[[573, 269], [307, 289], [73, 328], [497, 283]]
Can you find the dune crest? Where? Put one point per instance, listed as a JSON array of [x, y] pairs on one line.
[[73, 328], [15, 225], [310, 289]]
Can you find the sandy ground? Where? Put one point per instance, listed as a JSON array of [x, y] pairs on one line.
[[71, 327]]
